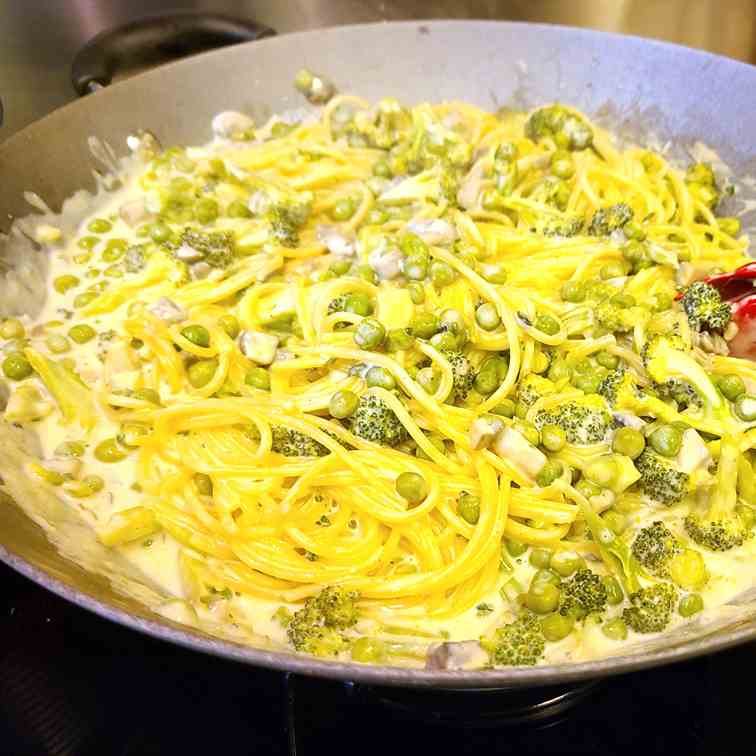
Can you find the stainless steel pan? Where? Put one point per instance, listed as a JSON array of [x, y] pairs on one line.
[[639, 87]]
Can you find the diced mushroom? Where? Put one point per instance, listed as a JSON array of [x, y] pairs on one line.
[[483, 431], [167, 310], [134, 212], [693, 452], [337, 243], [512, 445], [468, 193], [456, 655], [47, 234], [258, 347], [231, 123], [258, 203], [189, 254], [386, 262], [199, 270], [628, 420], [433, 231]]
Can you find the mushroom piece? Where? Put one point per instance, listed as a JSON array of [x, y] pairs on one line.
[[387, 263], [456, 655], [167, 310], [134, 212], [230, 123], [512, 445], [483, 431], [693, 452], [433, 230], [337, 243], [258, 347]]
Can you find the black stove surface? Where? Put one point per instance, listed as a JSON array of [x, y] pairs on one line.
[[72, 684]]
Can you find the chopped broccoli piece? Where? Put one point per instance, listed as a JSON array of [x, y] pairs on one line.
[[721, 528], [374, 421], [584, 593], [571, 226], [532, 387], [292, 443], [660, 479], [217, 247], [385, 126], [134, 260], [464, 375], [702, 184], [284, 226], [705, 309], [518, 644], [654, 547], [651, 608], [584, 422], [614, 318], [608, 219], [285, 210], [317, 628], [567, 129]]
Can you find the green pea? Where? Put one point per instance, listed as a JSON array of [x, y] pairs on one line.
[[562, 165], [559, 371], [369, 333], [553, 438], [202, 372], [204, 484], [529, 432], [549, 473], [415, 269], [12, 329], [614, 594], [729, 226], [238, 209], [376, 217], [487, 317], [445, 341], [340, 267], [412, 487], [623, 300], [114, 252], [343, 210], [731, 386], [57, 344], [506, 408], [88, 242], [588, 383], [230, 325], [468, 507], [690, 605], [424, 324], [629, 442], [521, 410], [197, 334], [745, 407], [109, 451], [378, 376], [515, 548], [99, 226], [62, 284], [428, 379], [343, 404], [587, 489], [160, 232], [688, 569], [258, 378], [382, 169], [206, 210], [487, 380], [557, 626], [413, 246], [70, 449], [602, 472], [608, 360], [542, 597], [94, 483], [442, 274], [666, 440], [540, 558], [615, 521], [615, 629], [416, 292], [494, 273], [358, 303], [564, 563], [573, 291], [399, 339], [368, 650], [17, 367]]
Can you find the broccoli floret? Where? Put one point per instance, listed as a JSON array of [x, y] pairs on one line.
[[385, 125], [584, 593], [532, 387], [705, 309], [608, 219], [285, 210], [464, 375], [679, 391], [317, 628], [217, 248], [721, 528], [519, 644], [134, 260], [284, 227], [660, 480], [292, 443], [374, 421], [651, 608], [567, 129], [702, 184], [614, 318], [654, 547], [584, 422], [571, 226]]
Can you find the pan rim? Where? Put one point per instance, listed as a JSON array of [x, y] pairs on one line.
[[383, 675]]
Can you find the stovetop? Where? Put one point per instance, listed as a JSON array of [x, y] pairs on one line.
[[73, 684]]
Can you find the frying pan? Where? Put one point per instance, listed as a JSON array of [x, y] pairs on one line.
[[644, 89]]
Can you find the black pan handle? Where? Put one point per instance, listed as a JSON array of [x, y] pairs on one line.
[[156, 39]]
